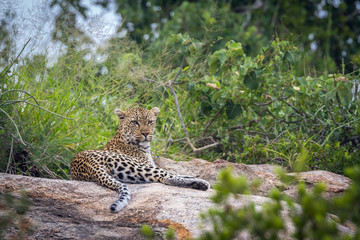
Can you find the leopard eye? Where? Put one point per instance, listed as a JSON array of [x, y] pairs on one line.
[[135, 122], [150, 122]]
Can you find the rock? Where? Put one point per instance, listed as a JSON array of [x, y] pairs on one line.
[[190, 168], [266, 173], [335, 184], [80, 210]]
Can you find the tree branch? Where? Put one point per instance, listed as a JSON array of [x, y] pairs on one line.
[[181, 118], [295, 109], [153, 81], [12, 63], [187, 137], [268, 103], [332, 116], [210, 122], [177, 74], [236, 127], [339, 103], [177, 140]]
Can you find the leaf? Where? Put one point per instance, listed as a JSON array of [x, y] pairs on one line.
[[216, 96], [251, 81], [258, 72], [173, 38], [300, 163], [184, 43], [345, 94], [291, 56], [190, 86], [206, 107], [302, 81], [185, 39], [217, 59], [196, 45], [235, 48], [132, 58], [233, 110]]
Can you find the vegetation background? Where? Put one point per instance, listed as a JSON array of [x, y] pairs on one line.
[[259, 81], [253, 82]]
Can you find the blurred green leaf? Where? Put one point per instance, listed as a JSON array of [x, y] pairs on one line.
[[233, 110], [251, 81]]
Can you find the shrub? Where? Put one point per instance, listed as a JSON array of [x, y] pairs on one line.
[[310, 214], [233, 106]]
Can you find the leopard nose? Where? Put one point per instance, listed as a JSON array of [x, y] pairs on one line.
[[145, 134]]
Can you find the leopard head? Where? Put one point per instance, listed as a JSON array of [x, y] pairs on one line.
[[137, 125]]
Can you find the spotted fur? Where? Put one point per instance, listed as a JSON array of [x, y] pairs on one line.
[[126, 158]]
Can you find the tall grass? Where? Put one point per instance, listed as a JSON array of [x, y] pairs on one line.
[[67, 107]]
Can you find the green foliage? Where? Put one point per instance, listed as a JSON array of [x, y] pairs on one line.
[[149, 233], [327, 31], [170, 234], [264, 100], [34, 140], [258, 108], [6, 30], [228, 221], [13, 214], [229, 185], [184, 43], [262, 111], [259, 102], [313, 221], [310, 215], [349, 203], [66, 30]]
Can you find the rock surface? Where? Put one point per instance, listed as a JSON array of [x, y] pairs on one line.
[[80, 210], [336, 184]]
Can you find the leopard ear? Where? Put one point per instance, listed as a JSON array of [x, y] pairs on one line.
[[155, 111], [120, 113]]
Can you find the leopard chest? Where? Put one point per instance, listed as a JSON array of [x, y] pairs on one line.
[[134, 155]]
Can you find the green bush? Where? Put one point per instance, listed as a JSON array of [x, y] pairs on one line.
[[260, 110], [252, 109], [310, 214], [149, 234]]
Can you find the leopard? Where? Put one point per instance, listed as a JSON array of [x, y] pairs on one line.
[[127, 158]]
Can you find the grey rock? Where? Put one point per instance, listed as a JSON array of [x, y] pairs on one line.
[[266, 173], [64, 209]]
